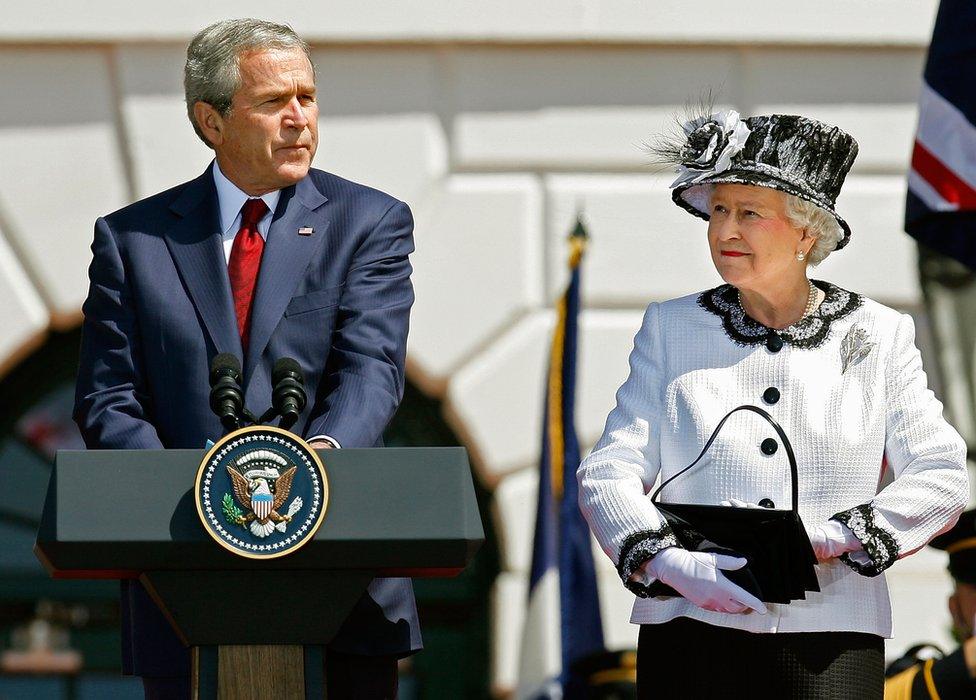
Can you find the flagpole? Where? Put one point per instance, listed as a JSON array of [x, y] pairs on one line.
[[563, 622]]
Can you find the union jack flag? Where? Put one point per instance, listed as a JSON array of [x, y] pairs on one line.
[[941, 208]]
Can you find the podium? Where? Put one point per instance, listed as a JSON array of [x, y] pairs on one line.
[[131, 514]]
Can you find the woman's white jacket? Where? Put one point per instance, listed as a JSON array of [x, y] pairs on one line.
[[848, 388]]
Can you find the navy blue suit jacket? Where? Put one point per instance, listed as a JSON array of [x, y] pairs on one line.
[[159, 309]]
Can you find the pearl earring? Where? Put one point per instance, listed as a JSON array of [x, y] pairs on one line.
[[801, 256]]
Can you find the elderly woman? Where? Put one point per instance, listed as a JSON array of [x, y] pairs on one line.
[[842, 376]]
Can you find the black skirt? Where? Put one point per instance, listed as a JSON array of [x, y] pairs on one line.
[[686, 658]]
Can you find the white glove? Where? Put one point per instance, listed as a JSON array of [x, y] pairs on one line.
[[736, 503], [698, 577], [832, 539]]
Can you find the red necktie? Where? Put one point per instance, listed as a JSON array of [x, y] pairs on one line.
[[245, 261]]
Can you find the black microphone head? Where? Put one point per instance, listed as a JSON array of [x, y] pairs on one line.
[[226, 397], [288, 392], [284, 368], [225, 365]]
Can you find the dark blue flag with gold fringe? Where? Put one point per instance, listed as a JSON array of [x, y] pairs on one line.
[[562, 625]]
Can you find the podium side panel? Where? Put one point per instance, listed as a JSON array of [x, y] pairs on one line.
[[255, 607]]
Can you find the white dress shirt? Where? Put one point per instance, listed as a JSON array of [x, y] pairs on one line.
[[231, 200], [845, 411]]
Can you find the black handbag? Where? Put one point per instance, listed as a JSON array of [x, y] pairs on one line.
[[781, 560]]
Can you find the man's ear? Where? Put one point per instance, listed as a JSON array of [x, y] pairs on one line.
[[955, 610], [210, 123]]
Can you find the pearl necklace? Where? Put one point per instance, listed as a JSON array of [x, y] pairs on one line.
[[812, 298], [811, 301]]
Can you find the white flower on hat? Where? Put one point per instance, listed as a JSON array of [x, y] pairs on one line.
[[711, 144]]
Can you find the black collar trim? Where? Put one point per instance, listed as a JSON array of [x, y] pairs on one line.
[[808, 332]]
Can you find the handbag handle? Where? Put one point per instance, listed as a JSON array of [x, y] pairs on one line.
[[779, 431]]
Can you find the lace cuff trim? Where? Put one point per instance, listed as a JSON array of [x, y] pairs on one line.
[[879, 544], [637, 549]]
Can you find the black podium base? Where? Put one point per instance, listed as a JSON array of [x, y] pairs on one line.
[[213, 607]]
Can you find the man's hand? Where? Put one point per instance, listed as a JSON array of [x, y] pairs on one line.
[[323, 442]]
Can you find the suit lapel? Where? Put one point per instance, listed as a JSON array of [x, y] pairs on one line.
[[196, 246], [286, 256]]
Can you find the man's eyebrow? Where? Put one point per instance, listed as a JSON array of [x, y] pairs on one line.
[[283, 92], [287, 89]]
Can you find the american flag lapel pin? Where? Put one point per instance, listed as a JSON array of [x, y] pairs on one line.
[[306, 231]]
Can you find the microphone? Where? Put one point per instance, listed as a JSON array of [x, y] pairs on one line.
[[226, 396], [288, 395]]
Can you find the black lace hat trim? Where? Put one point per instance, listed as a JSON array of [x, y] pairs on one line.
[[879, 544], [809, 332], [637, 549]]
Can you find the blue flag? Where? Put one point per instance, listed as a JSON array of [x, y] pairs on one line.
[[563, 620], [941, 206]]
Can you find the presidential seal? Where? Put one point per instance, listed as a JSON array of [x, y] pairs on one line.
[[261, 492]]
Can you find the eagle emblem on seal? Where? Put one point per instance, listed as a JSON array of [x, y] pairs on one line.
[[261, 482], [261, 492]]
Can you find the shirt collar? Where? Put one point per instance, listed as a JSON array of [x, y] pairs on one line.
[[231, 198]]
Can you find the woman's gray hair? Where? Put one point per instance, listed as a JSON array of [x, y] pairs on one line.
[[212, 72], [816, 220]]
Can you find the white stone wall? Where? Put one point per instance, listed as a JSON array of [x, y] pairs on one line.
[[496, 122]]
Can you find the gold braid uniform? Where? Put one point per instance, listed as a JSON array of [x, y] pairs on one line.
[[933, 679]]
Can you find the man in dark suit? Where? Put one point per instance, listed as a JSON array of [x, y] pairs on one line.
[[262, 257]]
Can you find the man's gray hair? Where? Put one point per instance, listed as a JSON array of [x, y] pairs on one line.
[[212, 72]]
